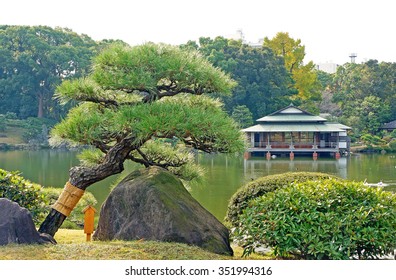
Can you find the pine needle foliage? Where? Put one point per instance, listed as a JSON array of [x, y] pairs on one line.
[[153, 102]]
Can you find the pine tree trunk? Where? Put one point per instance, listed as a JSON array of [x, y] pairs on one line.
[[83, 177], [52, 222]]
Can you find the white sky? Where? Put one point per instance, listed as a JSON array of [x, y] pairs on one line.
[[329, 29]]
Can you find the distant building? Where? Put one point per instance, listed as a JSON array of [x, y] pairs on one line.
[[239, 35], [292, 130], [328, 67], [390, 126]]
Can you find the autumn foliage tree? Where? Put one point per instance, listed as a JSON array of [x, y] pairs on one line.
[[305, 79], [149, 104]]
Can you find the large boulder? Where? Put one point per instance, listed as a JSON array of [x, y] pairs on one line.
[[152, 204], [16, 225]]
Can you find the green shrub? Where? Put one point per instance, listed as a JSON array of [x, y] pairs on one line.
[[76, 217], [369, 139], [3, 123], [328, 219], [240, 200], [10, 115], [36, 129], [38, 200], [392, 145], [26, 194]]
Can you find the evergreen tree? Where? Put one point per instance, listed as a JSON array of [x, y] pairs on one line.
[[145, 104]]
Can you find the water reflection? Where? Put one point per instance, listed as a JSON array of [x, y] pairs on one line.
[[224, 174], [255, 168]]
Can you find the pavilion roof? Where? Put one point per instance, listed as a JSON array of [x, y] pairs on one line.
[[294, 119], [279, 127], [389, 125], [291, 118], [291, 113]]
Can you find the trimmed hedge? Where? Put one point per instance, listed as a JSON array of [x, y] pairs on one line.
[[240, 200], [38, 200], [327, 219], [25, 193]]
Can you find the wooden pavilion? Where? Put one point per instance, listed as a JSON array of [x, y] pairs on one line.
[[292, 130]]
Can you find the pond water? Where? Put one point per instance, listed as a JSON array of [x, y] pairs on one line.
[[223, 176]]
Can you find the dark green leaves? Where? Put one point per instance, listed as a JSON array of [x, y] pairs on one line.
[[326, 219], [23, 192], [34, 60]]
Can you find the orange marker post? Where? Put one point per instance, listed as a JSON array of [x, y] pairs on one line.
[[89, 214]]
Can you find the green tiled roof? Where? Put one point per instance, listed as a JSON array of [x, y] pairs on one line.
[[291, 118], [318, 127]]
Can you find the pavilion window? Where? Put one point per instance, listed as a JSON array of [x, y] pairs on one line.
[[277, 137], [291, 137], [295, 137], [307, 137]]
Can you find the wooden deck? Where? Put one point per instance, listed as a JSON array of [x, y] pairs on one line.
[[273, 147], [295, 150]]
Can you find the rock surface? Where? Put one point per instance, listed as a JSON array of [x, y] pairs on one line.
[[16, 225], [152, 204]]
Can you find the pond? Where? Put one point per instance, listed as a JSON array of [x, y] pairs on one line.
[[223, 176]]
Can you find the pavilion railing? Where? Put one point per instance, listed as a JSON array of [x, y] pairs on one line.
[[295, 145]]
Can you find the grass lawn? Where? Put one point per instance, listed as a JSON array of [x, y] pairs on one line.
[[72, 246], [12, 135]]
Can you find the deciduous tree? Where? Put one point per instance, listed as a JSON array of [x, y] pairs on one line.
[[366, 94], [262, 78], [305, 79], [34, 60]]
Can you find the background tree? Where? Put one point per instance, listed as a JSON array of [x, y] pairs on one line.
[[146, 104], [262, 78], [327, 105], [305, 79], [366, 94], [34, 60], [242, 115]]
